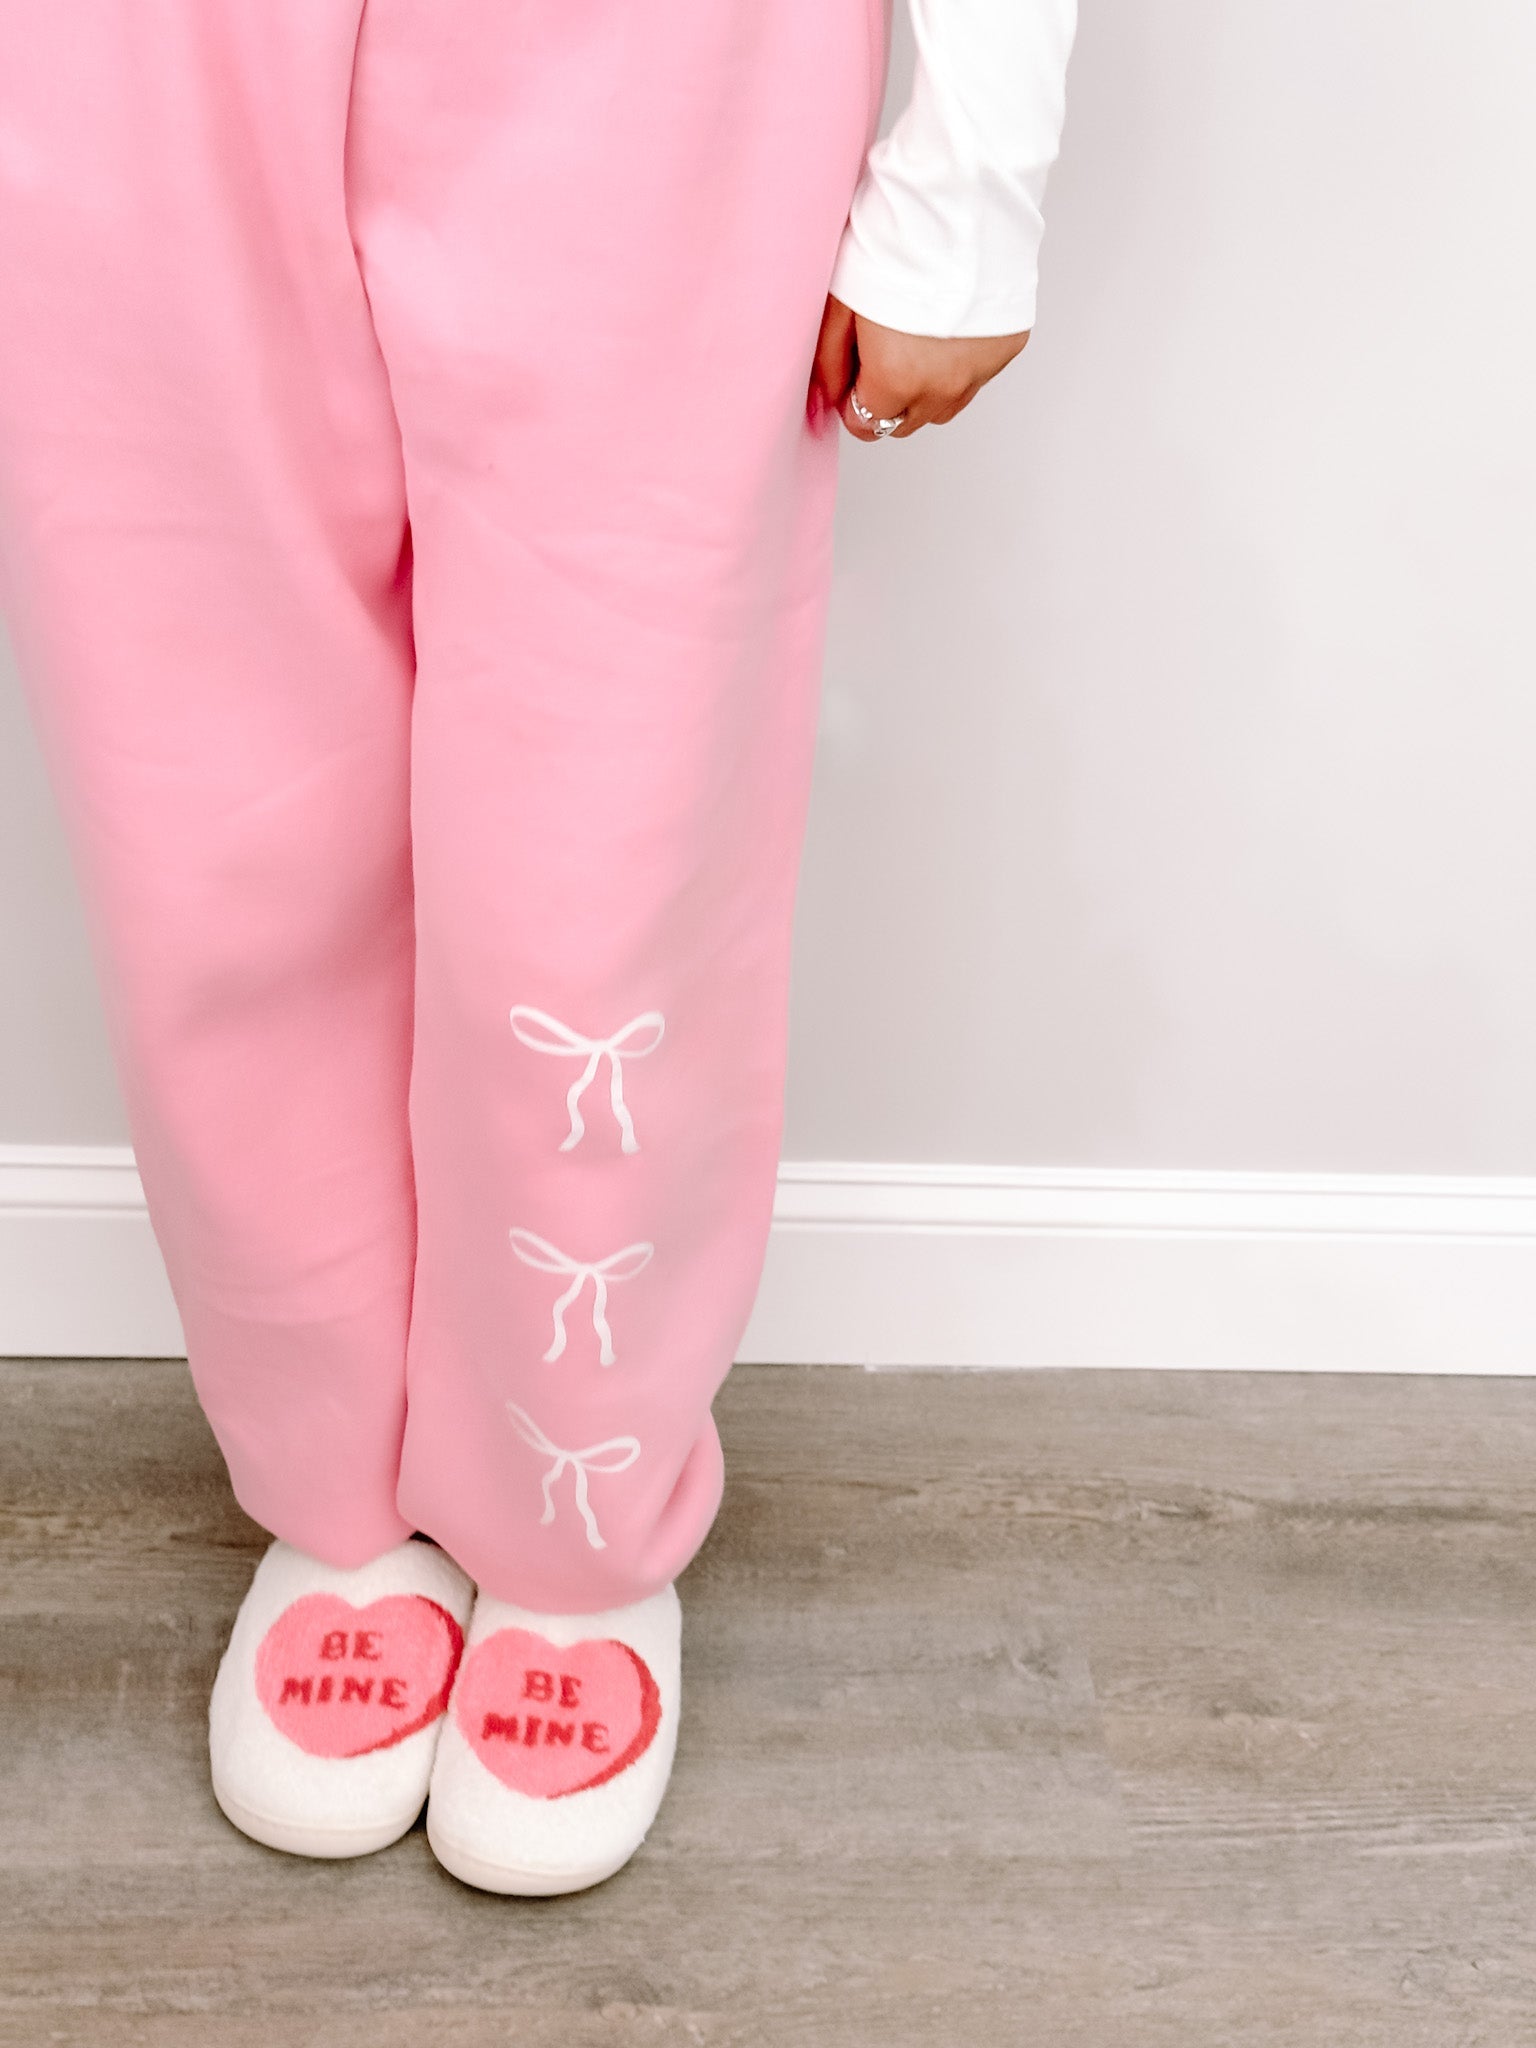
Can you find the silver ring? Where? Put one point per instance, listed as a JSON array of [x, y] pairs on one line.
[[881, 427]]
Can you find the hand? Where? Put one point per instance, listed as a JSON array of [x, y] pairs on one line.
[[927, 378]]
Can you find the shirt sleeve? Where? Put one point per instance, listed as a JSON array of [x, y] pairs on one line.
[[944, 230]]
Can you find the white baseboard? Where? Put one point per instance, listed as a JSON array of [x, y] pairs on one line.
[[1008, 1266], [890, 1265]]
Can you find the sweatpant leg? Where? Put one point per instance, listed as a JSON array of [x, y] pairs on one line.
[[201, 540], [597, 239]]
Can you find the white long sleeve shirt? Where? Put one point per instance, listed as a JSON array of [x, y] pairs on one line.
[[944, 230]]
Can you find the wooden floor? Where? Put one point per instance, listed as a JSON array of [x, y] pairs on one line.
[[1071, 1710]]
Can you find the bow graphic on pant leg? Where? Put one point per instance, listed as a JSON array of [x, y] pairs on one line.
[[614, 1454], [539, 1253], [541, 1032]]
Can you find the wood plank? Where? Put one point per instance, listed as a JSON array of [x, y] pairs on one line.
[[1095, 1709]]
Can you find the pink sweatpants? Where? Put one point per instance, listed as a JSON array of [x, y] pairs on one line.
[[416, 545]]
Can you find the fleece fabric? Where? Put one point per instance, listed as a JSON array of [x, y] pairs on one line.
[[330, 1697], [558, 1744], [416, 538]]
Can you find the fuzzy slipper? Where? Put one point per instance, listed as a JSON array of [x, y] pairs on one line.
[[330, 1698], [558, 1744]]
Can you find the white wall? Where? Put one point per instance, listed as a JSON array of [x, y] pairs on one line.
[[1175, 794], [1180, 740]]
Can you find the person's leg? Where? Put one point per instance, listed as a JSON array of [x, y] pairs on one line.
[[202, 522], [596, 240]]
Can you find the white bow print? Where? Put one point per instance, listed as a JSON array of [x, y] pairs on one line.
[[615, 1454], [539, 1253], [548, 1034]]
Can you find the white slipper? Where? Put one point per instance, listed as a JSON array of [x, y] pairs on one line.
[[558, 1744], [330, 1698]]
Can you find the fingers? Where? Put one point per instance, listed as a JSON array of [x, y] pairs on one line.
[[946, 412], [890, 377], [925, 380], [924, 405], [885, 396], [832, 367]]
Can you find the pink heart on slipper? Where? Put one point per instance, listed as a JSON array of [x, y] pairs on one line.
[[341, 1680], [547, 1721]]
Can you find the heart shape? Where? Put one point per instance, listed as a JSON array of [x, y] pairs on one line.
[[342, 1681], [547, 1720]]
